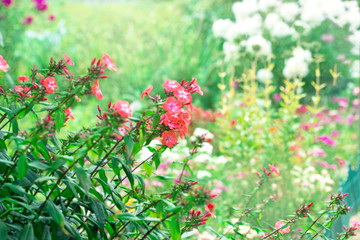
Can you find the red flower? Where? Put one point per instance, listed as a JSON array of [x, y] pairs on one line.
[[23, 78], [68, 60], [95, 89], [169, 138], [211, 206], [146, 92], [3, 64], [172, 105], [195, 87], [123, 108], [274, 169], [183, 95], [109, 63], [170, 85], [69, 114], [50, 84]]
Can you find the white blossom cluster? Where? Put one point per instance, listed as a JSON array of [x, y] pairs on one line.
[[255, 19]]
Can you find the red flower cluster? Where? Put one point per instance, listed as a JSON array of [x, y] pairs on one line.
[[304, 210], [196, 219], [273, 169], [97, 68], [351, 231]]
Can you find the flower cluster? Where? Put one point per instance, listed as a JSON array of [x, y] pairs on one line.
[[196, 219], [303, 210], [177, 107]]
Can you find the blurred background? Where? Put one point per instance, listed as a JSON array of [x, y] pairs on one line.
[[217, 42]]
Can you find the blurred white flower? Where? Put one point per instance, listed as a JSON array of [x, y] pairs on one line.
[[355, 69], [204, 157], [271, 20], [302, 54], [203, 174], [264, 74], [244, 9], [281, 29], [230, 50], [249, 25], [295, 67], [222, 28], [289, 11], [258, 45], [206, 148]]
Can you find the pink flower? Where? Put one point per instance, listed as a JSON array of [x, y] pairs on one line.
[[68, 60], [157, 183], [195, 87], [326, 140], [280, 225], [51, 17], [341, 162], [302, 109], [356, 91], [7, 3], [28, 20], [50, 85], [274, 169], [123, 108], [95, 89], [170, 85], [172, 105], [69, 114], [183, 95], [23, 78], [350, 119], [169, 138], [123, 131], [146, 92], [317, 152], [3, 64], [109, 63], [335, 133], [328, 38], [277, 97]]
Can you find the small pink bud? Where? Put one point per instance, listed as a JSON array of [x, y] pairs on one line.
[[104, 76], [192, 81], [345, 194], [182, 82], [93, 61]]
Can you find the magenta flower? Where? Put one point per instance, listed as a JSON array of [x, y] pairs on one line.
[[326, 140], [277, 97], [328, 38]]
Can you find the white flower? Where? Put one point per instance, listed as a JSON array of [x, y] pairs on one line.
[[289, 11], [202, 158], [264, 74], [295, 67], [221, 28], [355, 40], [303, 55], [203, 174], [281, 29], [218, 160], [230, 50], [355, 69], [206, 148], [244, 9], [258, 45], [271, 20], [249, 25]]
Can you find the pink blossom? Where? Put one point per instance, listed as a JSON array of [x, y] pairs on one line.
[[317, 152], [157, 183], [280, 224], [328, 38], [335, 133], [327, 165], [341, 162], [277, 97], [356, 91], [356, 103], [350, 119], [326, 140], [340, 57]]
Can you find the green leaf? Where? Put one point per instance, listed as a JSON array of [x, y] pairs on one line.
[[55, 213], [129, 146], [3, 230], [27, 233], [22, 166], [174, 228], [156, 159], [156, 120], [127, 171], [59, 119], [128, 216], [148, 169], [58, 163], [72, 230], [46, 235], [15, 126], [98, 209], [6, 162], [39, 165], [83, 179], [44, 152]]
